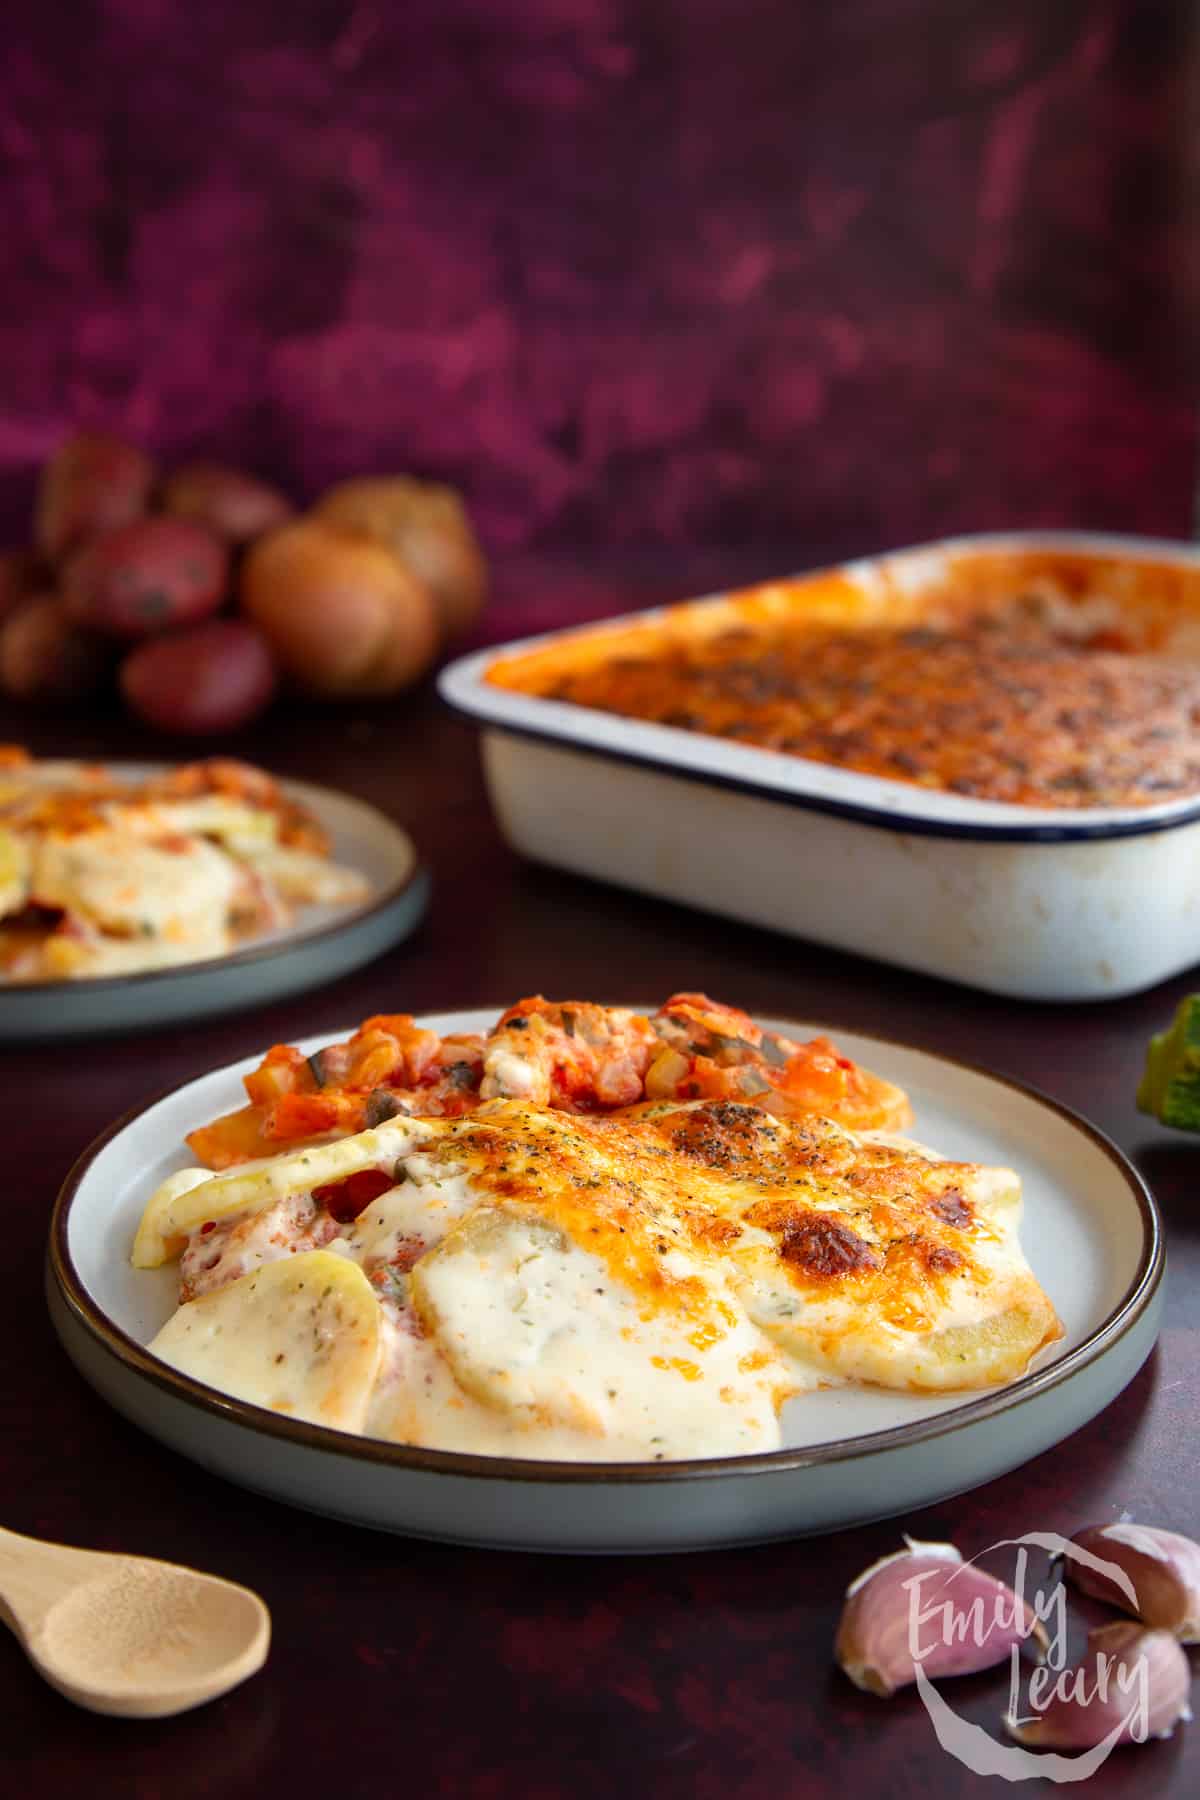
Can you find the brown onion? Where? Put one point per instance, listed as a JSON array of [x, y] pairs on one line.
[[342, 613]]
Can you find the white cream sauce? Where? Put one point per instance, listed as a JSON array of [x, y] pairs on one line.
[[498, 1332], [122, 883]]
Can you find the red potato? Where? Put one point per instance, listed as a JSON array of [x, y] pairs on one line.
[[205, 679], [44, 656], [428, 528], [23, 573], [90, 485], [342, 613], [147, 577], [234, 505]]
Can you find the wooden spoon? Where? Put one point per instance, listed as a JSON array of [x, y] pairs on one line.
[[126, 1634]]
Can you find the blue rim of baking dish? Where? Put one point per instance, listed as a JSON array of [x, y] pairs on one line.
[[582, 730]]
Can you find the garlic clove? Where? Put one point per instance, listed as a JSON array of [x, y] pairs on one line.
[[1163, 1566], [925, 1603], [1131, 1684]]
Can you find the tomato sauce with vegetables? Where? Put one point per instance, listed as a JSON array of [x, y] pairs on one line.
[[575, 1056]]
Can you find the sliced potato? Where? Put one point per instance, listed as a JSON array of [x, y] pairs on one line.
[[300, 1336], [235, 823], [172, 1213], [14, 872], [538, 1328], [124, 885], [307, 879], [164, 1198]]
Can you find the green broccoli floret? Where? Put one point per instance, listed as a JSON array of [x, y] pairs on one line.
[[1170, 1086]]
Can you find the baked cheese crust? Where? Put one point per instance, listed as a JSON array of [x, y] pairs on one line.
[[1032, 677], [652, 1285], [102, 875]]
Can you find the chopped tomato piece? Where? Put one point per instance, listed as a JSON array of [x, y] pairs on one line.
[[712, 1016], [397, 1025], [815, 1074], [347, 1198], [387, 1042], [378, 1062], [283, 1070], [235, 1138], [303, 1115]]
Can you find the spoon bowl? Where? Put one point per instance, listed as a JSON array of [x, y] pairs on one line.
[[128, 1635]]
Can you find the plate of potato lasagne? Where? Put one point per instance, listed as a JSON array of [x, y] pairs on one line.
[[136, 894], [591, 1277]]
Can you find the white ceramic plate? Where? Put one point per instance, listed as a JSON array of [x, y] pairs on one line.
[[323, 943], [1091, 1233]]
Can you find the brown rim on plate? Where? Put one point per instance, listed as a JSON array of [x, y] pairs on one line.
[[60, 1269], [251, 953]]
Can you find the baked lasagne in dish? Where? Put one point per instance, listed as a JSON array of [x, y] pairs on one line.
[[105, 875], [1026, 678], [588, 1234]]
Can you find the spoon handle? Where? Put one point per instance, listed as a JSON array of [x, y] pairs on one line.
[[33, 1575]]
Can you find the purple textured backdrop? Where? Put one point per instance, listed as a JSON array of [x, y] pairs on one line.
[[627, 270]]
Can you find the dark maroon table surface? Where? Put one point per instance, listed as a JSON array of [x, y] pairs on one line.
[[401, 1667]]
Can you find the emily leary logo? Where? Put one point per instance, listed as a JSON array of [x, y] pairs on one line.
[[936, 1622]]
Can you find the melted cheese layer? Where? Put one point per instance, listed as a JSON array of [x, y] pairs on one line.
[[548, 1284], [119, 883], [301, 1337]]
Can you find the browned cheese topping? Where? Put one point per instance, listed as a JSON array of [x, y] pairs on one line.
[[1005, 706]]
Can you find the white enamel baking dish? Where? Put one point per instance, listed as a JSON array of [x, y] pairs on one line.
[[1044, 904]]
